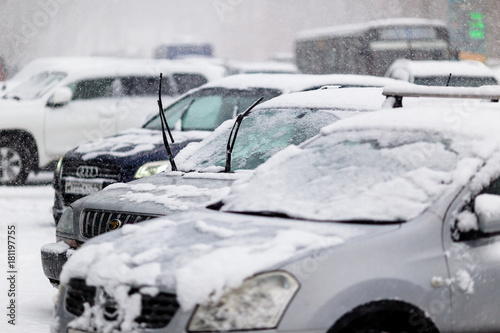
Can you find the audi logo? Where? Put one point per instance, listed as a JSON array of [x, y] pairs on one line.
[[86, 171]]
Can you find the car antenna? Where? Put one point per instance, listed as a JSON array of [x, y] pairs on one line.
[[448, 82], [164, 124], [234, 130]]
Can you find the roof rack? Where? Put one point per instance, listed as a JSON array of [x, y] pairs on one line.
[[395, 94]]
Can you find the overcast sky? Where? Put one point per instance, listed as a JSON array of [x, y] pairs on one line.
[[238, 29]]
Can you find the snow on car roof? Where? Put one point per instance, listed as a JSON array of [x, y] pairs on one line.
[[443, 68], [297, 82], [105, 66], [473, 120], [363, 27], [341, 98]]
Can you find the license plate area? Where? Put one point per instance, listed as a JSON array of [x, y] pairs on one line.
[[82, 186], [70, 330]]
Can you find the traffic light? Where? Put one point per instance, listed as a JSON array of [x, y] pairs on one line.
[[476, 26]]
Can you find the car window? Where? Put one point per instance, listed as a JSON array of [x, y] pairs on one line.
[[186, 82], [173, 113], [36, 86], [262, 133], [95, 88], [145, 86], [455, 81], [203, 113]]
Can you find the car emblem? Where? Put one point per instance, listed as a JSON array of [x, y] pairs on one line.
[[86, 171], [114, 224]]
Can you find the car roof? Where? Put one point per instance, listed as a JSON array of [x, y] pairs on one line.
[[443, 68], [469, 120], [332, 98], [77, 67], [297, 82]]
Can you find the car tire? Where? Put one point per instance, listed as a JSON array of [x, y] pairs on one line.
[[14, 162]]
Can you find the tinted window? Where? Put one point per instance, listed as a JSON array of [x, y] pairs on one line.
[[145, 86], [455, 81], [186, 82], [95, 88]]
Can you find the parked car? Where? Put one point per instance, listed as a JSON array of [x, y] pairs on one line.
[[56, 110], [442, 73], [204, 171], [385, 222], [93, 166]]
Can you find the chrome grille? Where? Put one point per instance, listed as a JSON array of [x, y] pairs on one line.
[[95, 222], [103, 171]]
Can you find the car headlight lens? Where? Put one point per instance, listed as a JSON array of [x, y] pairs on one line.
[[259, 303], [65, 224], [59, 166], [152, 168]]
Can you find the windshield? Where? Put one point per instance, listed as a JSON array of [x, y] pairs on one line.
[[455, 81], [206, 109], [351, 176], [261, 135], [36, 86]]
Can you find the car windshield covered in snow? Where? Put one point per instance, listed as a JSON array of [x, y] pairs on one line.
[[36, 86], [364, 176], [207, 109], [262, 134]]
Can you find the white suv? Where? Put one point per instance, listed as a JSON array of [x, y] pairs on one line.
[[81, 100]]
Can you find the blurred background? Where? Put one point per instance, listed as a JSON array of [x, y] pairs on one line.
[[254, 30]]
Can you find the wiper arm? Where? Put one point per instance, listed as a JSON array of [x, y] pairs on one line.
[[164, 124], [234, 133]]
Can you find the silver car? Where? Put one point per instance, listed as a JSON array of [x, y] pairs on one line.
[[385, 222]]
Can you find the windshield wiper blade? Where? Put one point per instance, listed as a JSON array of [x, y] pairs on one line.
[[234, 133], [164, 124]]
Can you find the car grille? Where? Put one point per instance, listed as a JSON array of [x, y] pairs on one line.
[[95, 222], [156, 311], [79, 293], [111, 172]]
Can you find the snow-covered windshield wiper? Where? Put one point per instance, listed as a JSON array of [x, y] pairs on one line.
[[164, 124], [234, 133], [17, 98]]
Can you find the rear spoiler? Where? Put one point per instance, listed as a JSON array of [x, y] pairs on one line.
[[394, 94]]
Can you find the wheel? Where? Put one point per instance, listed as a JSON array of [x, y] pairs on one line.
[[14, 166]]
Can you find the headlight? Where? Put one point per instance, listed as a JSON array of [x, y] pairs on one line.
[[59, 166], [65, 224], [259, 303], [152, 168]]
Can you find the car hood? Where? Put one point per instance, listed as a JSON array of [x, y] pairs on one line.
[[161, 194], [198, 255], [130, 143]]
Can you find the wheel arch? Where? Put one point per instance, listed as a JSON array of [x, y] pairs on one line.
[[385, 313], [28, 139]]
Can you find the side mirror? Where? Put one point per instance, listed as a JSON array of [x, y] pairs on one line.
[[61, 96], [487, 208]]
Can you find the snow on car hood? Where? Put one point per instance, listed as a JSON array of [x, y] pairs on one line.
[[162, 194], [199, 255], [131, 142]]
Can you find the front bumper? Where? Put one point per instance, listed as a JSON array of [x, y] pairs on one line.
[[54, 256]]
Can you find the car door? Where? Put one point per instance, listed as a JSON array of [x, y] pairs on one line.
[[474, 266], [89, 115]]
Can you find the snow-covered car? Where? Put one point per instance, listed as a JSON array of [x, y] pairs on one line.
[[204, 171], [122, 158], [80, 100], [385, 222], [466, 73]]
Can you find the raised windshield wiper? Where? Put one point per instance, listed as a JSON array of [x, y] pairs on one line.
[[234, 130], [164, 124]]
